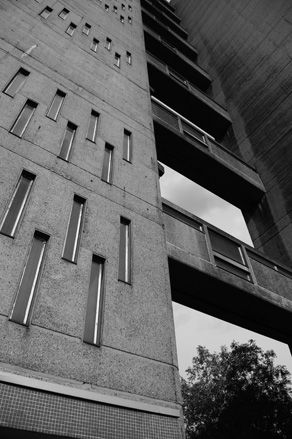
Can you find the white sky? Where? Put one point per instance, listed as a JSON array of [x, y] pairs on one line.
[[194, 328]]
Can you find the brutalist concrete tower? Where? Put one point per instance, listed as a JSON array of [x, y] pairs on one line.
[[93, 93]]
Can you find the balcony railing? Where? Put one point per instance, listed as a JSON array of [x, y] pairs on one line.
[[195, 153], [172, 37], [164, 18], [160, 6]]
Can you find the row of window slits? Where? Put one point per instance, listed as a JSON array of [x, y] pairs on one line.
[[86, 30], [19, 126], [26, 293], [46, 12]]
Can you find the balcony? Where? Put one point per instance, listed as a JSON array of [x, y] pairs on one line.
[[169, 35], [173, 57], [165, 9], [194, 153], [187, 99], [215, 273], [164, 18]]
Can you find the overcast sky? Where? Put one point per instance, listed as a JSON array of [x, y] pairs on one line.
[[192, 327]]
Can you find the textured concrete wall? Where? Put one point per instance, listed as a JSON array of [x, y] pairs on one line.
[[246, 48], [137, 356]]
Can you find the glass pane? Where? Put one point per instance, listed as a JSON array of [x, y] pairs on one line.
[[226, 247], [18, 80], [23, 304], [92, 129], [17, 204], [68, 141], [125, 251], [92, 330], [107, 164], [191, 131], [23, 119], [232, 269], [74, 230], [56, 105]]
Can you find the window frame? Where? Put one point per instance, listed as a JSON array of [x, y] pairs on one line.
[[33, 105], [125, 251], [21, 71], [77, 232], [74, 128]]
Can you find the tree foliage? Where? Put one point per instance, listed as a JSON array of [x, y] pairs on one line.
[[237, 393]]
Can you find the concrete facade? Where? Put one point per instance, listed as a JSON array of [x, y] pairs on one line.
[[126, 385]]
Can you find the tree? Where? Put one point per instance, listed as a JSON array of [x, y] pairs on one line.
[[237, 394]]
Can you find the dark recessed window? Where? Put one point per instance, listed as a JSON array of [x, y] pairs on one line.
[[107, 167], [117, 62], [64, 13], [123, 6], [115, 9], [74, 230], [130, 20], [22, 307], [106, 7], [127, 146], [92, 127], [70, 29], [125, 251], [56, 105], [93, 319], [24, 118], [86, 29], [108, 43], [16, 82], [129, 58], [122, 19], [46, 12], [17, 204], [67, 141], [94, 45]]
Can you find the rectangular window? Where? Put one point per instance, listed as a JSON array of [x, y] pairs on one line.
[[94, 45], [56, 104], [22, 308], [24, 118], [130, 8], [70, 29], [68, 141], [108, 44], [117, 62], [115, 9], [46, 12], [86, 29], [125, 251], [129, 58], [16, 82], [123, 6], [93, 319], [192, 132], [107, 167], [74, 230], [92, 127], [106, 7], [127, 146], [17, 204], [130, 20], [63, 14], [122, 20]]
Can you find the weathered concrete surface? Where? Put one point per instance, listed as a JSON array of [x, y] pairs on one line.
[[246, 48]]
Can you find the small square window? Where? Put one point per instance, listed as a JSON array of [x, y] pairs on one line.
[[94, 45], [123, 7], [86, 29], [130, 20], [70, 29], [108, 44], [106, 7], [46, 12], [117, 62], [130, 8], [122, 19], [64, 13], [115, 9], [129, 58]]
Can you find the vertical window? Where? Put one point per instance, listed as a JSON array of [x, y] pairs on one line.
[[56, 104], [115, 9], [93, 320], [17, 204], [46, 12], [125, 251], [117, 62], [123, 6], [127, 146], [106, 7], [24, 118], [122, 20], [68, 140], [130, 20], [22, 308], [108, 44], [130, 8], [94, 45], [16, 82], [70, 29], [63, 14], [92, 128], [129, 58], [107, 167], [86, 29], [74, 230]]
